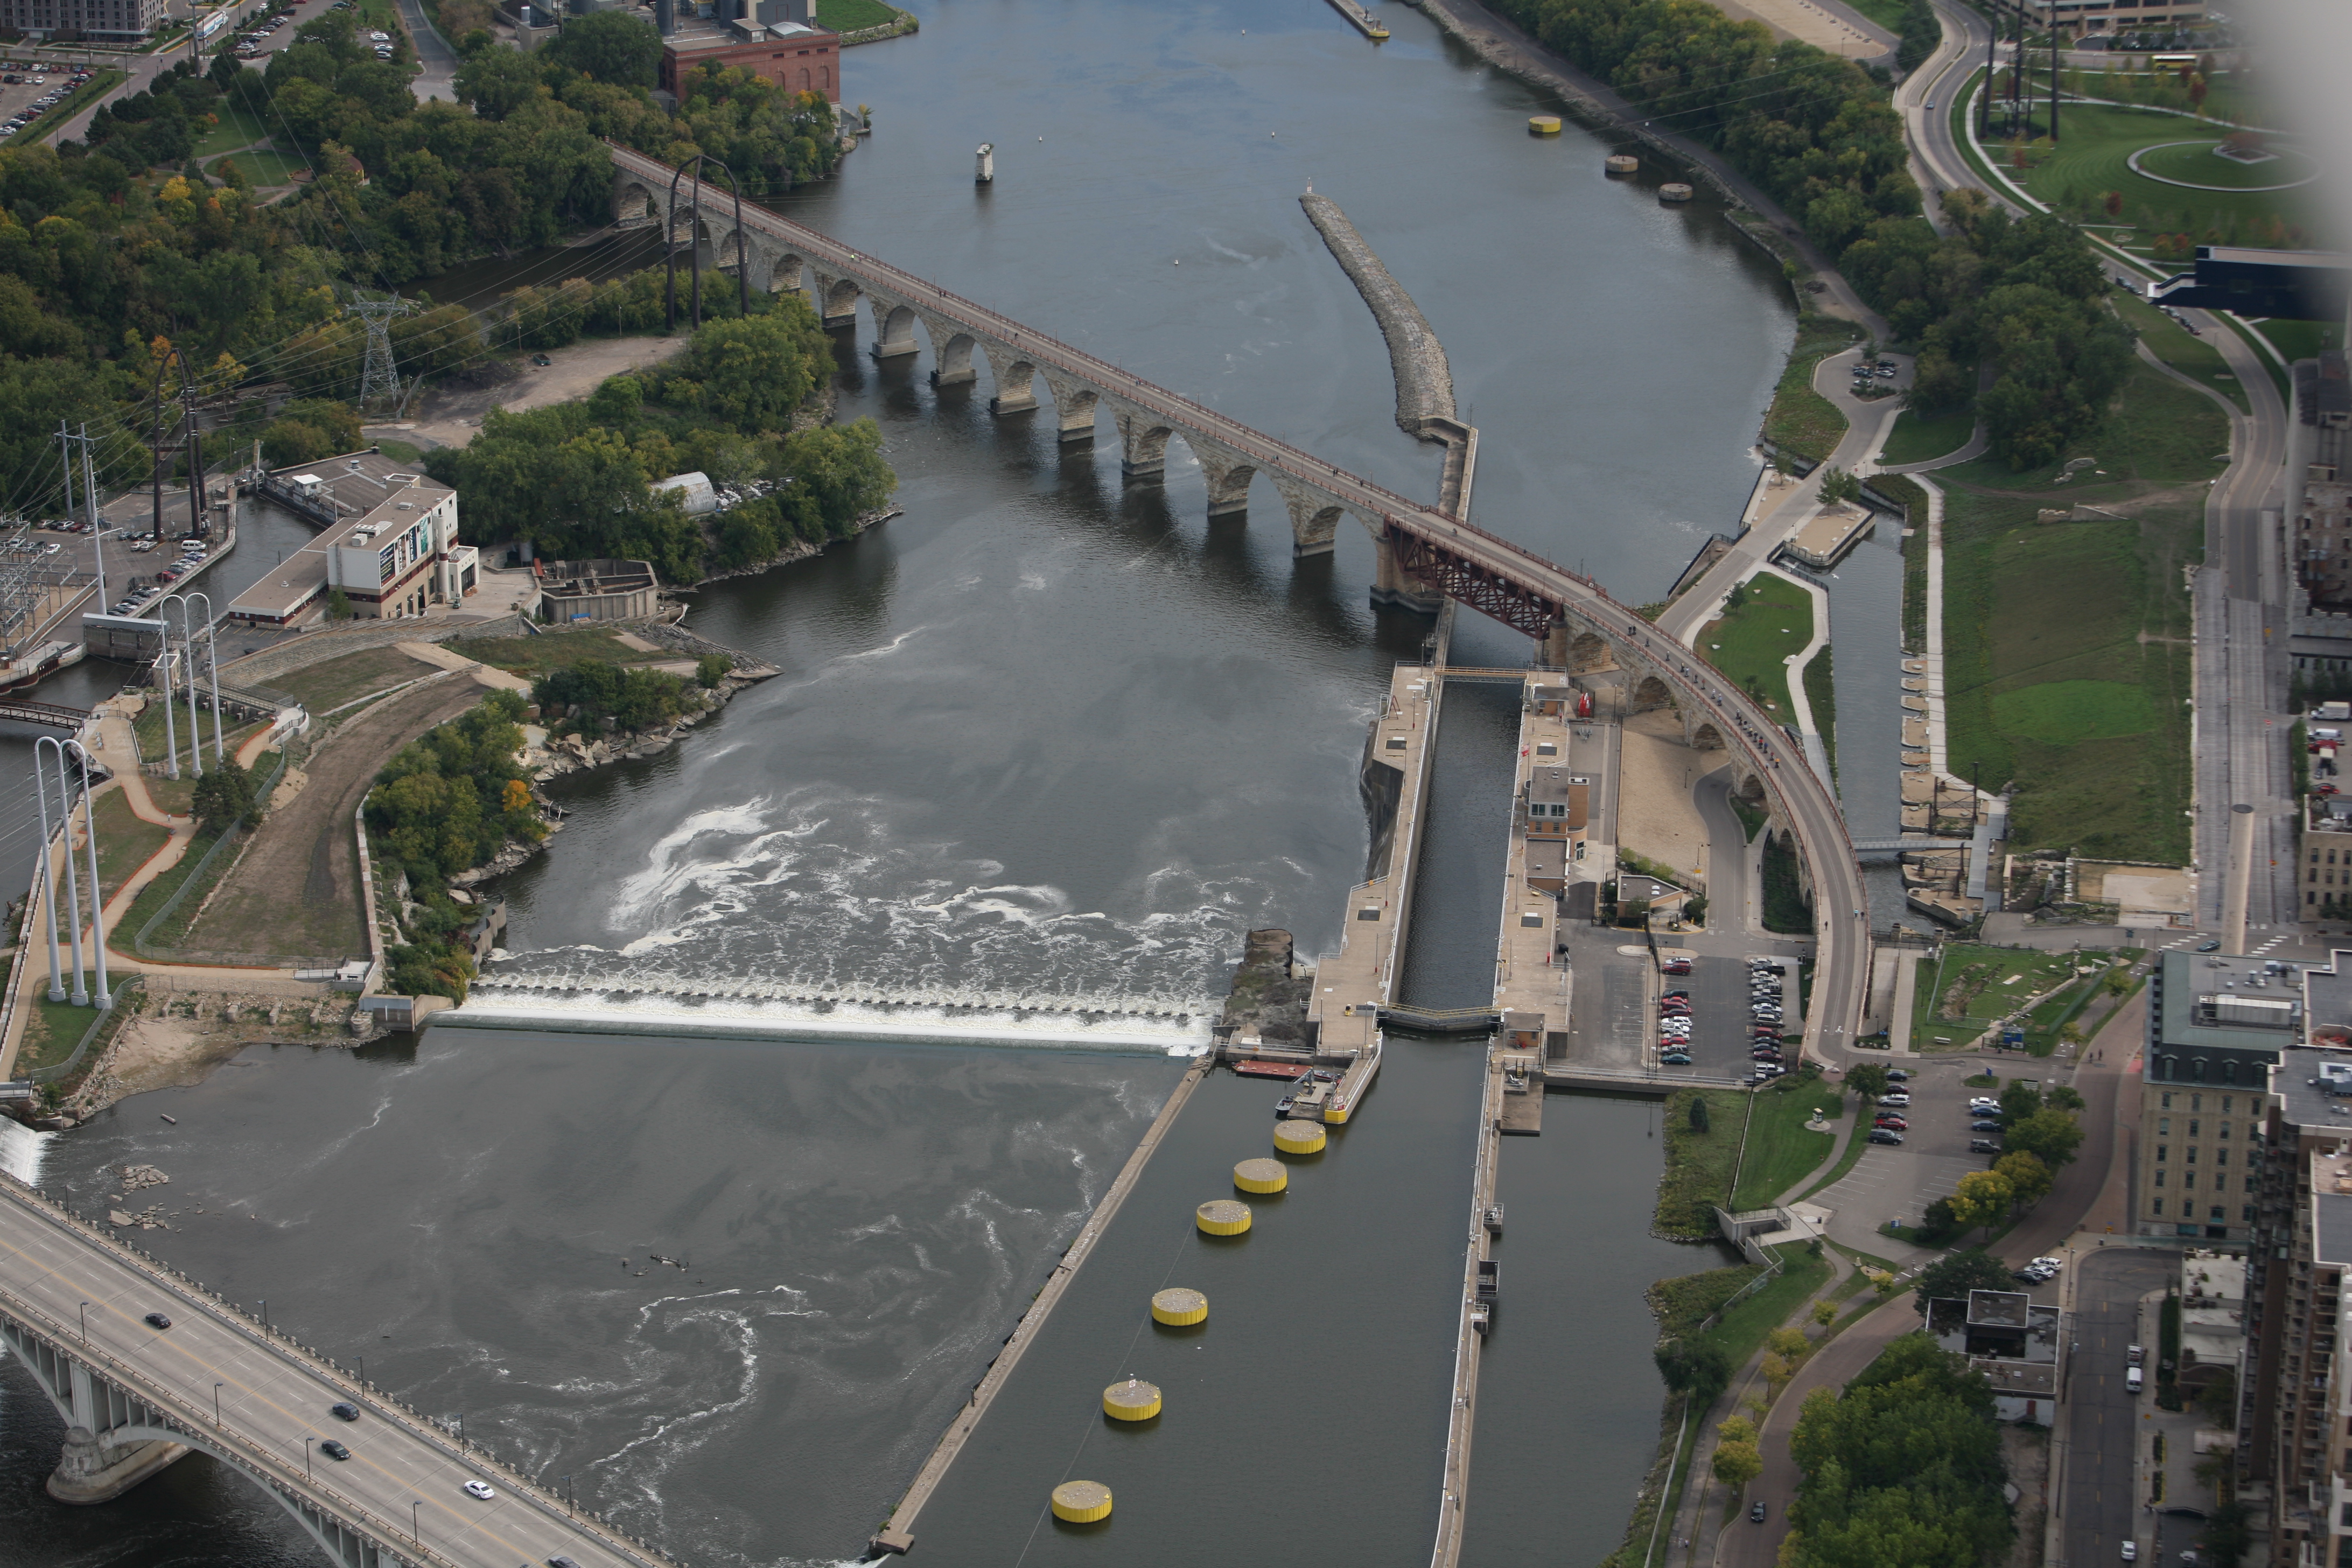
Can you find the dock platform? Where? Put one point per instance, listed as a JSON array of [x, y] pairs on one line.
[[1365, 22]]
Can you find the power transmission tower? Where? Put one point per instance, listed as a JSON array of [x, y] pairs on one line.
[[377, 376]]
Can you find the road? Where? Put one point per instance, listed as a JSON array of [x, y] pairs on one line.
[[2099, 1505], [271, 1396], [1512, 578]]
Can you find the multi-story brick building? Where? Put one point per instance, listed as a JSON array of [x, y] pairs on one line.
[[102, 21], [2216, 1028]]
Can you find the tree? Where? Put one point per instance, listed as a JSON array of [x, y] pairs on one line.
[[1981, 1198], [2113, 204], [2064, 1098], [2017, 1101], [612, 47], [1697, 1369], [1734, 1429], [711, 669], [1788, 1342], [1736, 1464], [2050, 1135], [1953, 1275], [754, 372], [223, 793], [1698, 1122], [1869, 1080], [339, 605], [1825, 1314], [2028, 1179], [498, 82]]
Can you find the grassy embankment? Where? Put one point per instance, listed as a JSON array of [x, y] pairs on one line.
[[2070, 676], [1785, 911], [332, 683], [1800, 420], [1969, 987], [153, 896], [1753, 642], [1915, 440], [1707, 1168], [851, 16]]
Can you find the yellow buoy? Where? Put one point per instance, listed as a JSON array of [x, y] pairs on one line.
[[1134, 1400], [1180, 1308], [1543, 124], [1261, 1176], [1298, 1138], [1081, 1502], [1623, 164], [1223, 1216]]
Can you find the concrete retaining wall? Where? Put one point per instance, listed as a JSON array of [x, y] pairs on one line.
[[1424, 381]]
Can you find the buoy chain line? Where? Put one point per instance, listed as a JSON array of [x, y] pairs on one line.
[[1127, 1357]]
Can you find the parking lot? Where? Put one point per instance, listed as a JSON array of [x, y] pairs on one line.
[[31, 82], [1898, 1183], [138, 570]]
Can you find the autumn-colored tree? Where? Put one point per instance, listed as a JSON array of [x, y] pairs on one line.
[[1981, 1198]]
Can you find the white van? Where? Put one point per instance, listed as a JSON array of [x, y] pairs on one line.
[[2132, 1379]]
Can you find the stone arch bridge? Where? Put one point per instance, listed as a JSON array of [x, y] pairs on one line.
[[1422, 550]]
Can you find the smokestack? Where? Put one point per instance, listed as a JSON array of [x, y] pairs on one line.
[[664, 17]]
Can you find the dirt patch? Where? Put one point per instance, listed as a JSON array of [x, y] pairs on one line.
[[166, 1053], [2026, 1450], [449, 416], [1657, 815], [295, 891]]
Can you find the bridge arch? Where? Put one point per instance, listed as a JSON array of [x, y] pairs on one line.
[[1705, 737], [1649, 692], [894, 329], [632, 204], [1016, 377], [1589, 653], [835, 298]]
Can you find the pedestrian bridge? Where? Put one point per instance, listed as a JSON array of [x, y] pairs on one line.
[[1422, 550], [73, 1301], [48, 715]]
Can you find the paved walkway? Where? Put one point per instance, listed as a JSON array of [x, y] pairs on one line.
[[483, 674], [1779, 519], [1799, 707]]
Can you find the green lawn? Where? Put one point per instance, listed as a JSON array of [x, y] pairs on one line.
[[237, 129], [2192, 356], [1820, 697], [265, 166], [124, 843], [1887, 14], [1698, 1164], [53, 1029], [1915, 440], [1741, 1332], [2067, 672], [849, 15], [1802, 420], [1967, 988], [2301, 340], [2092, 158], [1781, 1150], [534, 656], [1751, 644]]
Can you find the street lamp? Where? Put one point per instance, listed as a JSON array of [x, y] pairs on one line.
[[306, 1456], [217, 1415], [419, 1541], [85, 1322]]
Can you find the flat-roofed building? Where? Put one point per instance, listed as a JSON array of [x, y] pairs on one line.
[[389, 543], [777, 42], [2216, 1027]]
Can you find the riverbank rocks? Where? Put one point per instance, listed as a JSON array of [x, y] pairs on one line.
[[1267, 1004]]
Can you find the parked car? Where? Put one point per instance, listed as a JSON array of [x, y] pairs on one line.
[[1895, 1096], [1897, 1075], [1676, 1058], [1984, 1146], [1881, 1135], [1984, 1124]]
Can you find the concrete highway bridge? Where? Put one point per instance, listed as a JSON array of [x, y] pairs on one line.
[[73, 1305], [1422, 552]]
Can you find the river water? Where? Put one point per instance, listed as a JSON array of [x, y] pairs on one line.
[[1046, 733]]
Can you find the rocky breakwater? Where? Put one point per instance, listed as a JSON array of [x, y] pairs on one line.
[[1267, 1004], [1424, 381]]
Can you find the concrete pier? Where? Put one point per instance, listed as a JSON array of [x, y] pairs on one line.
[[1424, 381]]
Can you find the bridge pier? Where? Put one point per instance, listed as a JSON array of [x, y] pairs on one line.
[[1395, 587], [1074, 409], [835, 299], [894, 331], [1142, 449], [1016, 380], [91, 1472]]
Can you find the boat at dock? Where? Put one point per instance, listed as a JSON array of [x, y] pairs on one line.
[[1270, 1069]]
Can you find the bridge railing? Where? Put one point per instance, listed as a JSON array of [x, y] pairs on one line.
[[267, 1463]]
